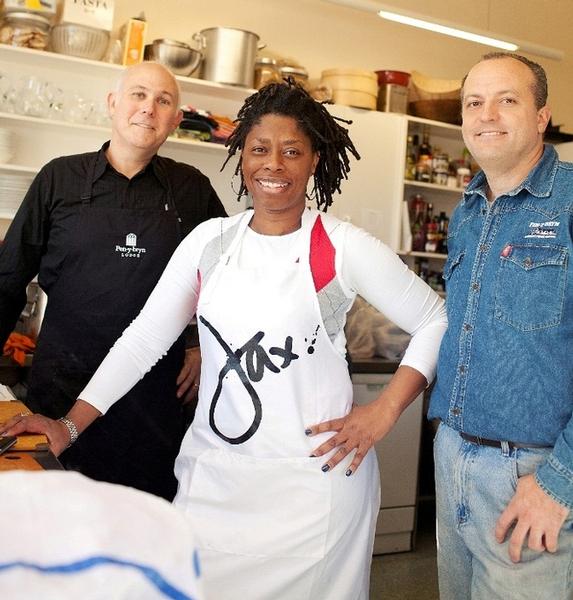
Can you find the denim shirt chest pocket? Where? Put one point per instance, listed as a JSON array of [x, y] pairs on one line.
[[451, 276], [530, 286]]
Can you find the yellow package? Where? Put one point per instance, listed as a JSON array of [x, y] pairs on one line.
[[133, 39]]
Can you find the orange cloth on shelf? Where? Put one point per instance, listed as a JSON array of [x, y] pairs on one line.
[[17, 345]]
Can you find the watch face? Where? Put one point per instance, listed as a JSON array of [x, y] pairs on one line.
[[6, 441]]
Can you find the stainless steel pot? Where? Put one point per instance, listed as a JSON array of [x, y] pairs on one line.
[[228, 55], [33, 313]]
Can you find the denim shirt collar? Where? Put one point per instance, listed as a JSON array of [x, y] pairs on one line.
[[538, 183]]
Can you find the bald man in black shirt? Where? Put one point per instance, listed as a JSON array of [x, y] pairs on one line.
[[98, 229]]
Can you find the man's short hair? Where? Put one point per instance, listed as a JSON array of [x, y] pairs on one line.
[[539, 87]]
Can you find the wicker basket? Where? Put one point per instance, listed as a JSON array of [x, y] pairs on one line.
[[449, 111], [423, 87]]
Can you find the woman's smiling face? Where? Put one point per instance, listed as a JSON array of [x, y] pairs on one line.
[[277, 161]]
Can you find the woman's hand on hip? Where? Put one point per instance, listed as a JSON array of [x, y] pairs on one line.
[[364, 425], [358, 431]]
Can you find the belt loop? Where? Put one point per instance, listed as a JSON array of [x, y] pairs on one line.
[[505, 450]]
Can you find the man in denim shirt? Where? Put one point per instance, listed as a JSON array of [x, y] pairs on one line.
[[504, 388]]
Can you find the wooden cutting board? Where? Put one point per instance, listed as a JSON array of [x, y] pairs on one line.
[[18, 461], [26, 441]]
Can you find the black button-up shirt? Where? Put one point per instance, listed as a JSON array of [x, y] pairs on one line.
[[36, 240]]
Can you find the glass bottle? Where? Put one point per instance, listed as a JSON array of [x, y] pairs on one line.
[[410, 169]]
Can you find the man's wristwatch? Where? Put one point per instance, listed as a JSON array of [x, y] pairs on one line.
[[72, 429]]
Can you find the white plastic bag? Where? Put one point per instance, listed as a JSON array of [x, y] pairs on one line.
[[369, 333]]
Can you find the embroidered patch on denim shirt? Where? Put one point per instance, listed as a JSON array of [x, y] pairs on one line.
[[545, 230]]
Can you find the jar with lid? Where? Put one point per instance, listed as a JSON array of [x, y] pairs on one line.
[[299, 74], [266, 71], [25, 29], [464, 176]]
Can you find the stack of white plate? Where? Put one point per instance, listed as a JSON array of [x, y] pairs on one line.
[[13, 188], [6, 145]]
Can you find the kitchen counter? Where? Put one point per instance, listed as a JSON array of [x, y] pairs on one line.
[[35, 460], [374, 364]]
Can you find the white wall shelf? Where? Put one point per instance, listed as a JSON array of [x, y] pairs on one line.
[[13, 169], [434, 186], [55, 124], [80, 66]]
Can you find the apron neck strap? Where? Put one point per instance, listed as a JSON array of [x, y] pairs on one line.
[[86, 195]]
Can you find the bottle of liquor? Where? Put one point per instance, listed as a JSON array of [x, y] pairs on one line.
[[431, 227], [410, 169], [425, 147], [418, 223], [424, 164], [443, 222]]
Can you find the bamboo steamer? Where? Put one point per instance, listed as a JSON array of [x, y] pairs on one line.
[[352, 87], [423, 87]]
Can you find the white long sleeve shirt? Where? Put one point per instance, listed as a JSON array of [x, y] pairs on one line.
[[364, 266]]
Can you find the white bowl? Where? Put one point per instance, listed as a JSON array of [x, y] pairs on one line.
[[78, 40]]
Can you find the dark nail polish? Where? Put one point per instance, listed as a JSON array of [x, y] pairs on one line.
[[307, 431], [313, 456], [349, 473], [325, 468]]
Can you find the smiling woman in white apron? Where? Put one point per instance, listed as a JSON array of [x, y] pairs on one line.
[[275, 515]]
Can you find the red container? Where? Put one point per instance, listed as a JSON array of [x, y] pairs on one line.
[[397, 77]]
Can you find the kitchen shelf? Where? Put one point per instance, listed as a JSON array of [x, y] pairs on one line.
[[446, 129], [434, 186], [79, 66], [9, 169], [435, 255], [53, 123]]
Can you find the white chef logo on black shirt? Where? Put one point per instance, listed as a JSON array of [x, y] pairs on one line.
[[130, 250]]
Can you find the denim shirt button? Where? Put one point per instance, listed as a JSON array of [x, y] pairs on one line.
[[462, 369], [482, 247], [456, 412], [528, 262], [467, 327], [475, 286]]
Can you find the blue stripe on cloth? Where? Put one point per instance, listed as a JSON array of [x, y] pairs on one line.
[[149, 573]]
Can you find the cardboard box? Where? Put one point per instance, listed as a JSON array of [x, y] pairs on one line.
[[91, 13], [132, 36], [45, 7]]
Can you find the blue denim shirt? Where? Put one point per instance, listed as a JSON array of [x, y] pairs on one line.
[[505, 370]]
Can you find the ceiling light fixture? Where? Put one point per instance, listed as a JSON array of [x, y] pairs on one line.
[[439, 26]]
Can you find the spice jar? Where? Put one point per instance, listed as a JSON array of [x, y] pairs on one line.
[[464, 176], [266, 71], [25, 29]]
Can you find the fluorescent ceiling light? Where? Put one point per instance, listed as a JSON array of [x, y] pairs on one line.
[[459, 33], [439, 26]]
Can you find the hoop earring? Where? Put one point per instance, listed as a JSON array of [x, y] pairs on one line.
[[312, 196], [239, 194]]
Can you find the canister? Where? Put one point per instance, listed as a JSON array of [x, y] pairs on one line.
[[228, 55], [392, 98], [266, 71]]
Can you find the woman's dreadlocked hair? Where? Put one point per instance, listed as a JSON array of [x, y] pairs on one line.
[[327, 137]]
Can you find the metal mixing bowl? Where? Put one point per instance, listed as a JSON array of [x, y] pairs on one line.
[[179, 57]]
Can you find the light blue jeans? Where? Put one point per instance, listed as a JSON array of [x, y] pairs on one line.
[[474, 484]]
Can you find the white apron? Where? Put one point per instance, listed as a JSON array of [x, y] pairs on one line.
[[269, 524]]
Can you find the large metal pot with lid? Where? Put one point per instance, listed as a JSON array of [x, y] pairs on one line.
[[228, 55]]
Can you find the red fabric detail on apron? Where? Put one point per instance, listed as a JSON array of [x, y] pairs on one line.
[[322, 254]]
